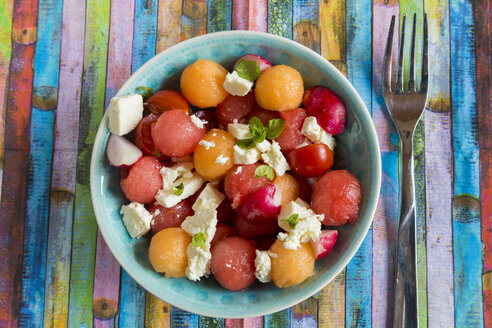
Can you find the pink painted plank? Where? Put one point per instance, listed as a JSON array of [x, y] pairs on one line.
[[233, 323], [258, 12], [384, 226], [255, 322], [240, 14]]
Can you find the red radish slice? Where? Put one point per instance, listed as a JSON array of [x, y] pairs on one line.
[[263, 206], [324, 244], [122, 152], [263, 64]]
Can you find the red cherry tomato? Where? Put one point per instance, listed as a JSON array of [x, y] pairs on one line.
[[311, 161], [165, 100], [143, 137]]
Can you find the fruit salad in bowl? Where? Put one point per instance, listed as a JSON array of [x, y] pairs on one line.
[[216, 172]]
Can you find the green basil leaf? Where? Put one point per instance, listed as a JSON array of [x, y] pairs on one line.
[[145, 92], [256, 128], [245, 143], [264, 171], [198, 239], [275, 128], [178, 190], [248, 70], [260, 138], [292, 220]]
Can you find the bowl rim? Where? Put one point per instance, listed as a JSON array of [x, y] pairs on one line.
[[371, 204]]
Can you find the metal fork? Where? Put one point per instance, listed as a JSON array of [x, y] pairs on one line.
[[405, 108]]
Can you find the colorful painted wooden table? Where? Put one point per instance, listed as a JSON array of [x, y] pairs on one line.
[[61, 61]]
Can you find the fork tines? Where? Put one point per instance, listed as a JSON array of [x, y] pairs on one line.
[[387, 65]]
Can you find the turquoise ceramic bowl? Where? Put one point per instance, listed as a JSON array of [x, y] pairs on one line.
[[357, 151]]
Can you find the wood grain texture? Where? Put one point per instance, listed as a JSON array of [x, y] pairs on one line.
[[17, 121], [258, 13], [387, 213], [91, 110], [219, 15], [64, 162], [466, 207], [46, 62], [180, 318], [438, 164], [132, 303], [168, 24], [482, 13], [359, 270], [157, 312], [280, 18], [240, 14], [194, 19]]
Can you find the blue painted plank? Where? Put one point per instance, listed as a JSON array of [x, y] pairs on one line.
[[305, 10], [278, 319], [219, 15], [132, 303], [45, 85], [466, 215], [359, 63], [180, 318]]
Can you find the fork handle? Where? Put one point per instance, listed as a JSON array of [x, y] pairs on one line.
[[405, 311]]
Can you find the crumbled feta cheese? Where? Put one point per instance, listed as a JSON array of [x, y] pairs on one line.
[[198, 262], [263, 265], [316, 133], [236, 85], [308, 225], [210, 197], [124, 113], [239, 131], [136, 219], [198, 122], [306, 142], [245, 156], [276, 159], [204, 220], [221, 159], [187, 158], [238, 170], [206, 144], [264, 146], [174, 176]]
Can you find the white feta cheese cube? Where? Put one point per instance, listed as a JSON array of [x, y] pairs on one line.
[[245, 156], [276, 159], [124, 113], [315, 133], [239, 131], [263, 264], [184, 169], [198, 122], [204, 220], [136, 219], [210, 197], [207, 144], [221, 159], [198, 262], [236, 85], [191, 185], [264, 146]]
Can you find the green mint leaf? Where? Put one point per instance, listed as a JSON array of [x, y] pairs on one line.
[[246, 143], [198, 239], [248, 70], [275, 128], [145, 92], [260, 138], [256, 128], [178, 190], [264, 171], [292, 220]]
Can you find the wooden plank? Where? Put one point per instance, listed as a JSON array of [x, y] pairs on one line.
[[386, 218], [482, 13], [17, 120], [331, 312], [253, 322], [466, 206], [6, 9], [219, 15], [278, 319], [132, 301], [168, 24], [157, 312], [64, 161], [359, 270], [180, 318], [280, 18], [240, 14], [45, 87], [258, 13], [233, 323], [438, 164], [194, 19], [91, 110]]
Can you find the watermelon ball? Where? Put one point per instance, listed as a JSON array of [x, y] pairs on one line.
[[240, 182], [233, 263], [143, 181], [337, 195], [175, 135]]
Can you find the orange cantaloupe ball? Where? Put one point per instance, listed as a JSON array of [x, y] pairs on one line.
[[167, 252], [202, 83], [206, 160], [288, 186], [279, 88], [291, 267]]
